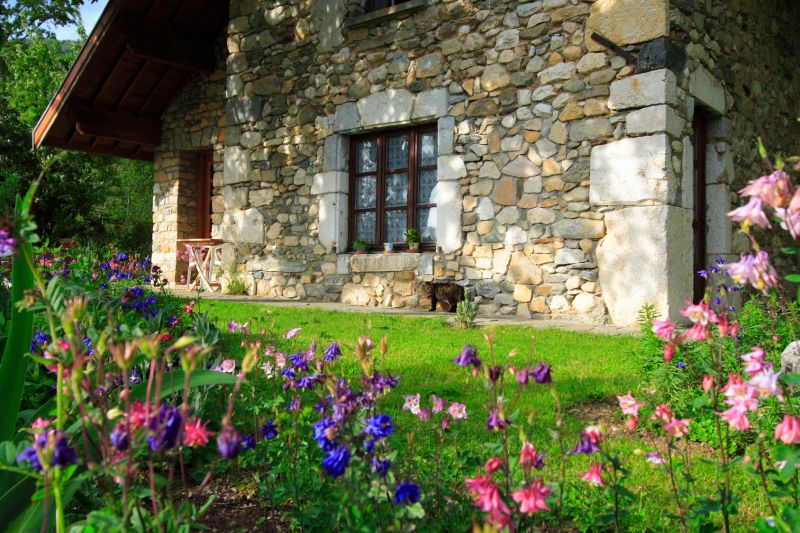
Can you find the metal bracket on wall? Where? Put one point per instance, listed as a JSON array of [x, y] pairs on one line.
[[629, 58]]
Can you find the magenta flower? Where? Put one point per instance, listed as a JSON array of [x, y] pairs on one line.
[[542, 374], [751, 213], [495, 422], [766, 384], [292, 332], [754, 270], [737, 418], [468, 357], [772, 190], [532, 498], [700, 313], [654, 458], [412, 403], [228, 366], [8, 244], [755, 361]]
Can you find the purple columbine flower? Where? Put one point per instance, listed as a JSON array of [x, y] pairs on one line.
[[248, 443], [63, 455], [495, 372], [379, 426], [294, 405], [269, 430], [30, 456], [166, 428], [585, 446], [468, 357], [332, 353], [229, 442], [542, 374], [8, 244], [337, 460], [406, 493], [119, 437], [495, 421]]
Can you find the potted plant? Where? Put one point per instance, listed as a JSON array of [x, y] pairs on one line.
[[361, 247], [388, 247], [413, 238]]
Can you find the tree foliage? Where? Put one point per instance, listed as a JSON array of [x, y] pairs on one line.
[[85, 197]]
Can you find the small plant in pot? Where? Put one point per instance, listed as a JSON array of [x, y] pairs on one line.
[[361, 247], [412, 239]]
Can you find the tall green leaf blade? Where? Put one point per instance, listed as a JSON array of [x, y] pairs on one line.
[[173, 382]]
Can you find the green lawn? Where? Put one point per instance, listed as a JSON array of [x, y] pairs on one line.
[[588, 371]]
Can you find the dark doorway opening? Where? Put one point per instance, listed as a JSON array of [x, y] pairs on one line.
[[205, 178], [700, 128]]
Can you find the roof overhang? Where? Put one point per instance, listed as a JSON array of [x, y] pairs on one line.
[[135, 61]]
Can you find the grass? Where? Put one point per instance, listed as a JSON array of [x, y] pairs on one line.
[[588, 371]]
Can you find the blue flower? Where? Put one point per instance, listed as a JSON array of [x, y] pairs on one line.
[[406, 493], [681, 365], [40, 339], [585, 446], [381, 467], [63, 455], [269, 430], [248, 443], [703, 273], [29, 455], [121, 257], [332, 353], [322, 435], [166, 428], [119, 438], [379, 426], [336, 462]]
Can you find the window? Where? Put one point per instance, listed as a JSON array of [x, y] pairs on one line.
[[393, 186], [374, 5]]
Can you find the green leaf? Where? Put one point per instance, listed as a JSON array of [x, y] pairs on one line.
[[20, 331], [791, 379], [173, 382], [794, 278]]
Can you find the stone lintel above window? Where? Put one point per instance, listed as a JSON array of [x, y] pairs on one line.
[[381, 14]]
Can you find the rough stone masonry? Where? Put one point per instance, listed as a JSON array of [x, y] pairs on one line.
[[565, 170]]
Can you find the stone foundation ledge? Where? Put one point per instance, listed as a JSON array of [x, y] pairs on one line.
[[419, 263]]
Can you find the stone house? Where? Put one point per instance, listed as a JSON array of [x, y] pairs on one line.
[[568, 158]]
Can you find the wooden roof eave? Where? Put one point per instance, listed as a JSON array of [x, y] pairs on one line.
[[73, 74]]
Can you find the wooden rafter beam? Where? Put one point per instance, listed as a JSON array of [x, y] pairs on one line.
[[184, 53], [118, 126]]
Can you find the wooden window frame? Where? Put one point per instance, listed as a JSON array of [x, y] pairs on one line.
[[413, 169], [205, 186], [370, 7]]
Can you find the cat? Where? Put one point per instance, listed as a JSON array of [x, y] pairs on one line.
[[447, 292]]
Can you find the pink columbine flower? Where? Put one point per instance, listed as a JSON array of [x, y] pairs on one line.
[[478, 484], [457, 410], [663, 329], [754, 270], [438, 404], [292, 333], [727, 329], [227, 366], [736, 416], [697, 332], [532, 498], [593, 433], [412, 403], [493, 465], [445, 423], [424, 414], [790, 217], [751, 213], [773, 190], [40, 423], [766, 384], [677, 427], [663, 413], [527, 454], [669, 352], [700, 313], [195, 433], [755, 361], [629, 405], [742, 395], [708, 382], [631, 423], [788, 431], [594, 475]]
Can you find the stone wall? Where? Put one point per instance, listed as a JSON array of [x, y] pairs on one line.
[[738, 70], [564, 169]]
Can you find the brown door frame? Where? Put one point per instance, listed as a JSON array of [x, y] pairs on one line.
[[205, 178]]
